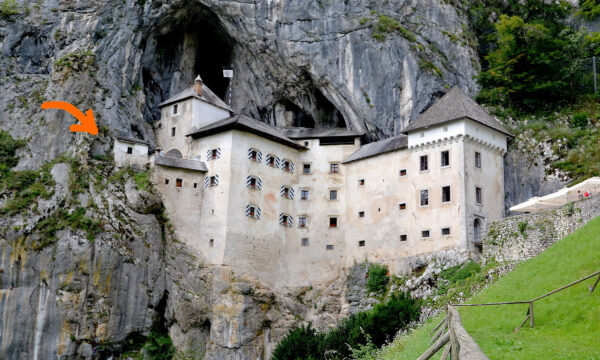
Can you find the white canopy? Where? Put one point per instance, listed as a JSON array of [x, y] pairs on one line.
[[561, 197]]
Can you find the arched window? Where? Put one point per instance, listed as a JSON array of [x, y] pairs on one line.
[[477, 231], [174, 153]]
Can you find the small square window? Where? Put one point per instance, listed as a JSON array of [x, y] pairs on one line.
[[172, 131], [175, 109], [284, 220], [211, 242], [425, 234], [446, 194], [166, 181], [445, 231], [271, 161], [478, 195], [333, 223], [304, 242], [306, 168], [403, 172], [445, 156], [129, 150], [361, 182], [214, 154], [287, 166], [159, 126], [329, 247], [251, 211], [424, 197], [334, 168], [195, 185], [361, 214], [423, 163], [478, 160], [252, 183], [402, 206], [179, 182], [361, 243], [403, 237], [253, 155], [332, 194], [213, 181], [303, 194], [302, 222], [306, 144]]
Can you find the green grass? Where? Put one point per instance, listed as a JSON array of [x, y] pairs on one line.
[[566, 324]]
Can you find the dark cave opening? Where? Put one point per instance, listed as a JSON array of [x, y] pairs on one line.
[[188, 41], [310, 110]]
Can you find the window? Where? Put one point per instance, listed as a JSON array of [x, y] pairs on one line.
[[214, 154], [361, 182], [253, 182], [211, 181], [306, 143], [445, 158], [195, 185], [445, 231], [333, 223], [306, 168], [179, 182], [445, 129], [332, 194], [272, 161], [253, 211], [172, 131], [129, 150], [166, 181], [478, 160], [304, 242], [159, 126], [445, 194], [425, 234], [302, 222], [403, 172], [286, 220], [423, 163], [402, 206], [361, 243], [328, 247], [254, 155], [422, 134], [287, 192], [403, 237], [424, 197], [303, 194], [361, 214], [334, 168], [175, 109], [211, 242], [288, 166], [478, 196]]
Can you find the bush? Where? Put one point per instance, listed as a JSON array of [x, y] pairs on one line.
[[159, 346], [460, 272], [580, 119], [362, 330], [522, 226], [378, 278], [9, 8], [8, 150]]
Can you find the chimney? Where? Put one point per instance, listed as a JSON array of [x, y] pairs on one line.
[[198, 85]]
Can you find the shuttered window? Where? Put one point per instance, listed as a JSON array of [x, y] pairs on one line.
[[253, 211], [254, 182], [213, 154], [255, 155], [287, 192], [288, 166], [211, 181], [286, 220], [272, 161]]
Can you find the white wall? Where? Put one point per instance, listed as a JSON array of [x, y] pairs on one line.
[[205, 113], [139, 155]]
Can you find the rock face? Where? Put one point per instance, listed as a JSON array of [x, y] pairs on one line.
[[318, 62]]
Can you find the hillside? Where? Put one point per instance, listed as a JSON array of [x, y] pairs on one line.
[[566, 324]]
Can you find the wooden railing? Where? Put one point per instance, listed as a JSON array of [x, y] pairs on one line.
[[460, 345]]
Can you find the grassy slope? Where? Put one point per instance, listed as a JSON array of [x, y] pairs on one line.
[[567, 324]]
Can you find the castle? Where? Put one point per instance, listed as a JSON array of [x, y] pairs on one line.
[[293, 206]]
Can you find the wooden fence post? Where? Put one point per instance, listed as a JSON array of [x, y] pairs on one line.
[[531, 322]]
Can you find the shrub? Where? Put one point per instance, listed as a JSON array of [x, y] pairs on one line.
[[580, 119], [8, 150], [361, 331], [460, 272], [378, 278], [522, 226], [141, 180], [159, 346], [9, 8]]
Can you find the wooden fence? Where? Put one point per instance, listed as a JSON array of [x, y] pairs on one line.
[[458, 344]]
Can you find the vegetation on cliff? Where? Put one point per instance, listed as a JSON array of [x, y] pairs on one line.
[[365, 329]]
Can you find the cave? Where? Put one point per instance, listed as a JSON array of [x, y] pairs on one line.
[[311, 110], [188, 41]]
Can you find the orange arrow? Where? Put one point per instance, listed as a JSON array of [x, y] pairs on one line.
[[88, 123]]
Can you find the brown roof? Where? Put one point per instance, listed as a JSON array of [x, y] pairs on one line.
[[244, 123], [378, 147], [207, 96], [455, 105]]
